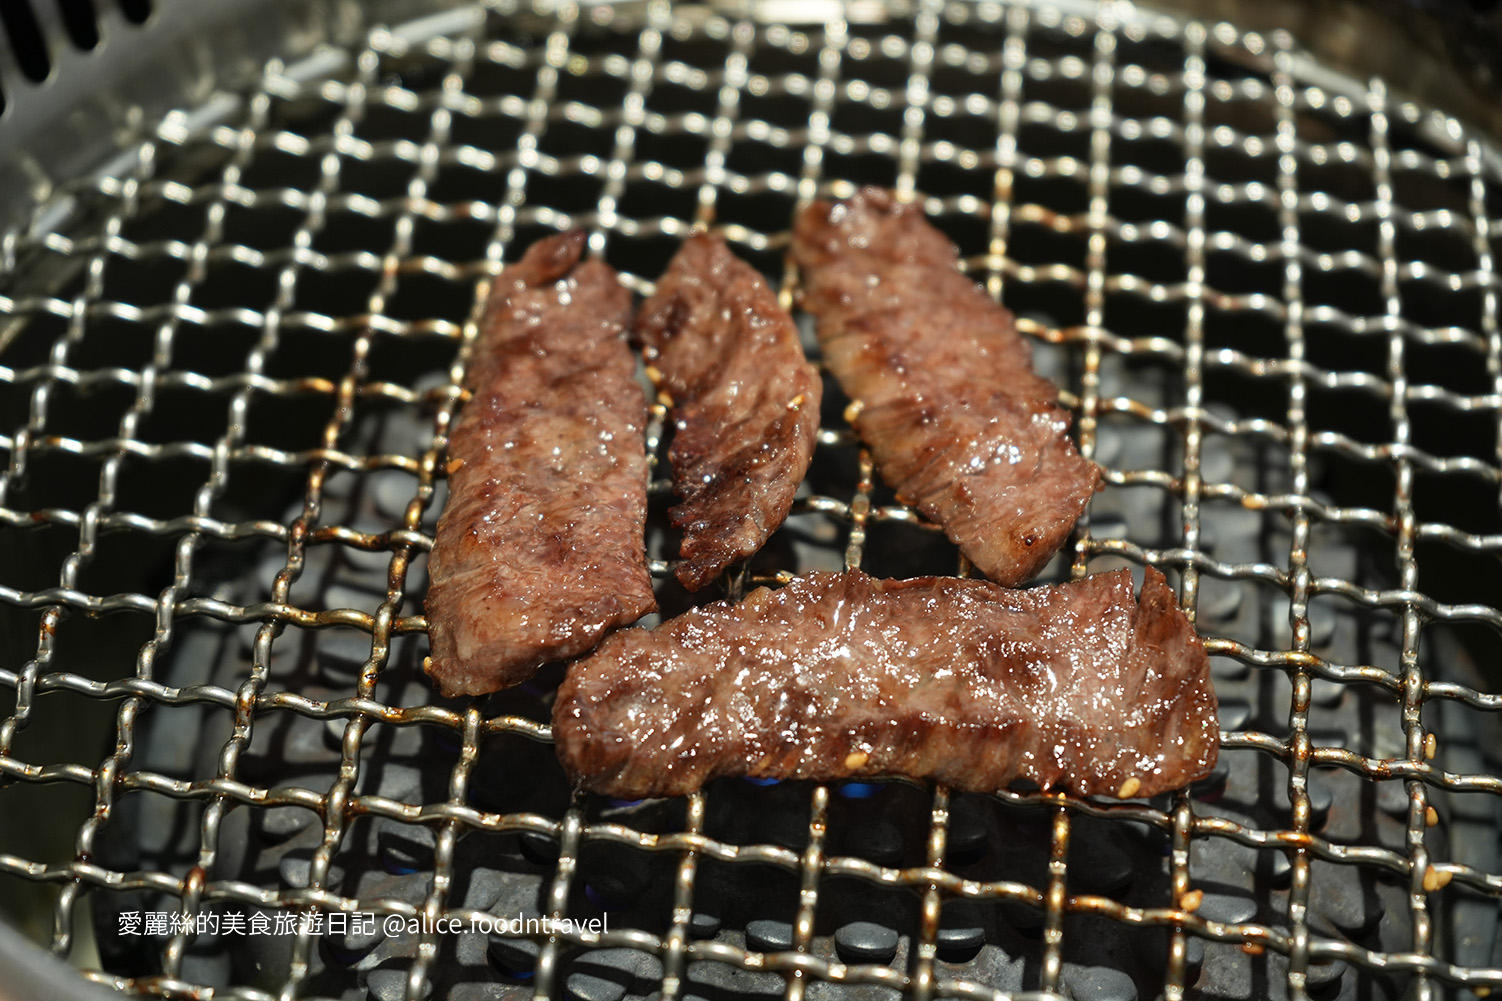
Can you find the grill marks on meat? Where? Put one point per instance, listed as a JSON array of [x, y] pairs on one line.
[[745, 403], [958, 422], [1078, 687], [540, 549]]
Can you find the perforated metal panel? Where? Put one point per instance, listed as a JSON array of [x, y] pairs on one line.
[[1267, 293]]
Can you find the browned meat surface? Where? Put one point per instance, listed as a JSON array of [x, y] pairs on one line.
[[745, 403], [958, 422], [1078, 687], [540, 549]]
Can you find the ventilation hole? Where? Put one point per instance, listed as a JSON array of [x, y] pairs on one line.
[[25, 38], [78, 18], [136, 10]]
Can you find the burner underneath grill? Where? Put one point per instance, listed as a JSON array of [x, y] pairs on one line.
[[226, 368]]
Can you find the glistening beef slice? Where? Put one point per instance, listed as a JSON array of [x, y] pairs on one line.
[[540, 549], [1079, 687], [745, 403], [956, 419]]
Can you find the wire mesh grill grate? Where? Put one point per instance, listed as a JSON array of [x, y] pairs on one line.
[[1268, 294]]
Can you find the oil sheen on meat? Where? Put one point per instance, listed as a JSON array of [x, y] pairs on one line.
[[956, 419], [745, 403], [540, 549], [1079, 687]]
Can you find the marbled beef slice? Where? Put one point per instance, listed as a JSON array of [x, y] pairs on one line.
[[1080, 687], [745, 403], [956, 419], [540, 549]]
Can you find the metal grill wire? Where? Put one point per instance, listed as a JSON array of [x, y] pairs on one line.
[[461, 139]]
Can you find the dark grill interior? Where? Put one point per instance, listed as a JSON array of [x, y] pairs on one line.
[[226, 369]]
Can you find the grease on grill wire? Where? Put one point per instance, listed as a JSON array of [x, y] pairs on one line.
[[539, 551], [1078, 687], [745, 403], [945, 393]]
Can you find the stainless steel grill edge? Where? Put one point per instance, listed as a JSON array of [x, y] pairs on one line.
[[230, 337]]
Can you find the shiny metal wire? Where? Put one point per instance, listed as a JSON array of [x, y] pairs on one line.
[[1111, 55]]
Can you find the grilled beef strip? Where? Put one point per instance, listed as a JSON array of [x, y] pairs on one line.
[[540, 549], [1079, 687], [745, 403], [944, 390]]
